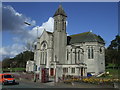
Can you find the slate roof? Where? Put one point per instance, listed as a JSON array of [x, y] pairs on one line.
[[60, 11], [84, 37]]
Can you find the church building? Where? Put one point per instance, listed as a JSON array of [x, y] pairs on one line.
[[74, 55]]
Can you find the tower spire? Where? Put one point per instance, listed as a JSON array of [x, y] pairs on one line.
[[60, 11], [60, 35]]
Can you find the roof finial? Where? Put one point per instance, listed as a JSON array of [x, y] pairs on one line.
[[90, 30], [60, 6], [60, 3], [60, 11]]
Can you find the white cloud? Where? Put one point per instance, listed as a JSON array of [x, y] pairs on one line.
[[11, 51], [30, 36], [3, 51], [13, 20], [48, 26], [16, 39]]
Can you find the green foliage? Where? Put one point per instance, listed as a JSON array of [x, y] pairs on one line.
[[112, 52], [113, 73], [115, 44], [6, 62], [111, 65], [19, 60]]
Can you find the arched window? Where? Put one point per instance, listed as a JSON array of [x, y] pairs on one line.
[[63, 24], [44, 45], [43, 55], [71, 55], [67, 54], [90, 53], [56, 25], [35, 47], [79, 55], [101, 50]]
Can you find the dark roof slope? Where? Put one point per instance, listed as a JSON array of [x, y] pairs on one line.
[[84, 37], [60, 11], [49, 32]]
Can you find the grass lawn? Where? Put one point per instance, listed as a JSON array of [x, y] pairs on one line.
[[13, 69]]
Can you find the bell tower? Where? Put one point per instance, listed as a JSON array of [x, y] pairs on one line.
[[60, 20], [60, 35]]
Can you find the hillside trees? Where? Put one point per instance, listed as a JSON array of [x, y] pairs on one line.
[[19, 60], [113, 51]]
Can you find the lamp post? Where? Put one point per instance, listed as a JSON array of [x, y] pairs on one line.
[[35, 69], [35, 66], [31, 25]]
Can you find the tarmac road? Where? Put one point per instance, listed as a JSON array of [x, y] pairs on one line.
[[31, 84]]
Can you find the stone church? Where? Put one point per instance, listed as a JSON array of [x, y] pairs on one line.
[[75, 55]]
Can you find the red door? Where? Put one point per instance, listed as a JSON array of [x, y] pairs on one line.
[[45, 75], [51, 71]]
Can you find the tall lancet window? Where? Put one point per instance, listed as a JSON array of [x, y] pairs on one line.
[[43, 52], [79, 55], [90, 53], [56, 25], [63, 24], [67, 54]]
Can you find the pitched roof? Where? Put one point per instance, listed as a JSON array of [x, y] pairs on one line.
[[84, 37], [60, 11]]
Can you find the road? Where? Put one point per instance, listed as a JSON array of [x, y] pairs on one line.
[[31, 84]]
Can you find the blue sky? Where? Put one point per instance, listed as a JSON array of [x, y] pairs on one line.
[[100, 17]]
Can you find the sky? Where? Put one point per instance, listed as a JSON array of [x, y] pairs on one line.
[[99, 17]]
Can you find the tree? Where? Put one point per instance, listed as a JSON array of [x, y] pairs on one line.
[[115, 44], [22, 58], [6, 62], [113, 50], [29, 46], [19, 60]]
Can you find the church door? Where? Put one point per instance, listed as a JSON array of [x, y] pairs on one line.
[[81, 71], [51, 71]]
